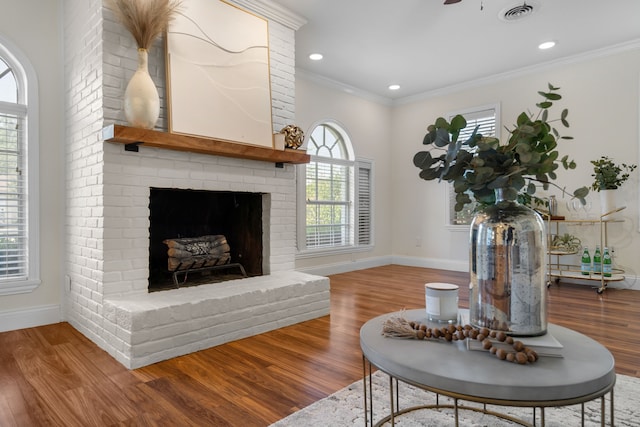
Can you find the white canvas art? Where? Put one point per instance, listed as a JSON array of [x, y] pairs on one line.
[[218, 73]]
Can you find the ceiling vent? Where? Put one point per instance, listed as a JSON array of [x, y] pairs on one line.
[[517, 13]]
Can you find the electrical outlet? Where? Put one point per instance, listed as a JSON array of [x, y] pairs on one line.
[[418, 242]]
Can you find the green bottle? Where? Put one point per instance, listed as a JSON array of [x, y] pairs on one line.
[[597, 261], [606, 263], [585, 264]]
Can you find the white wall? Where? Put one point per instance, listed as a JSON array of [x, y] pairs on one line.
[[602, 95], [38, 36], [368, 124]]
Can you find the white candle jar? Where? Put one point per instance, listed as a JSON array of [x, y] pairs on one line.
[[441, 302]]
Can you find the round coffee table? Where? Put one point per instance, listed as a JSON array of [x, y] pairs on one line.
[[584, 372]]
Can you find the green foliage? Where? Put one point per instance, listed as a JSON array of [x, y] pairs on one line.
[[566, 242], [481, 164], [609, 176]]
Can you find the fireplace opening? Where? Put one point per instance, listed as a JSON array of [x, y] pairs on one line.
[[227, 225]]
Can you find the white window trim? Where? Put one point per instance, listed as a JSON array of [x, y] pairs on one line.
[[448, 193], [28, 84], [301, 171], [346, 249]]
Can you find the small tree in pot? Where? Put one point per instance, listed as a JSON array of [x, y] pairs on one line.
[[609, 176]]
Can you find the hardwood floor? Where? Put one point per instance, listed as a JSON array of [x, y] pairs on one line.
[[54, 376]]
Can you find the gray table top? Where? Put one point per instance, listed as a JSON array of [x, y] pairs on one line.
[[586, 367]]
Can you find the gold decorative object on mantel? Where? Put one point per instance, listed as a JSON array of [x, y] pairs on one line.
[[293, 136]]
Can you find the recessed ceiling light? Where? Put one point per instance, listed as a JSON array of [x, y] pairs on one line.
[[315, 56], [394, 87], [546, 45]]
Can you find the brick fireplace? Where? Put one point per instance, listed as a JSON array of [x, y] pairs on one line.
[[108, 217]]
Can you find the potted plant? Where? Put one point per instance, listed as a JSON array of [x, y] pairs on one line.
[[507, 254], [608, 177], [566, 243]]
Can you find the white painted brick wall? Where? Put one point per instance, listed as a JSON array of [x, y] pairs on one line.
[[83, 104], [128, 178], [108, 196]]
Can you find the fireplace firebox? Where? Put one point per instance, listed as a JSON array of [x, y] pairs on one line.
[[193, 216]]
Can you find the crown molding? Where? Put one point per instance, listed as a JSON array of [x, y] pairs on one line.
[[334, 84], [496, 78], [274, 12]]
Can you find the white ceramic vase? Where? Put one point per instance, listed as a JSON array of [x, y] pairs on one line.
[[607, 202], [141, 99]]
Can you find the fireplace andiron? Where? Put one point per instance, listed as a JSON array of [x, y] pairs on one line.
[[204, 253]]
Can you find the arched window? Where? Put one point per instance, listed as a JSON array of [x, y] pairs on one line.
[[336, 198], [19, 270]]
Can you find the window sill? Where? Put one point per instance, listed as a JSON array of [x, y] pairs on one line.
[[313, 253], [18, 286]]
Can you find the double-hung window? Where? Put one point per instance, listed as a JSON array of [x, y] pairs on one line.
[[19, 270], [335, 194]]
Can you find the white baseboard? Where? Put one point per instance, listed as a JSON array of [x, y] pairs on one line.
[[630, 282], [11, 320], [345, 267], [441, 264], [45, 315]]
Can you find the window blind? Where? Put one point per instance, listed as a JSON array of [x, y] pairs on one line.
[[486, 120], [364, 203], [13, 196], [327, 216]]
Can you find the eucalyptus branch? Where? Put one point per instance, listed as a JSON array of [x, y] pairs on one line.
[[480, 164], [579, 194]]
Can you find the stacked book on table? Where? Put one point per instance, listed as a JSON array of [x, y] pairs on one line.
[[545, 345]]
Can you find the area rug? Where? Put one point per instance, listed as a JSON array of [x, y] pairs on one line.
[[345, 408]]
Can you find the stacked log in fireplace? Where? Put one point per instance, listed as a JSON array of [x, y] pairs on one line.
[[198, 254]]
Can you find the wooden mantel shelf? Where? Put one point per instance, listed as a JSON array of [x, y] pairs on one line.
[[132, 137]]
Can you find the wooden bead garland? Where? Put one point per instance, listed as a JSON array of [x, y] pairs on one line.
[[398, 327]]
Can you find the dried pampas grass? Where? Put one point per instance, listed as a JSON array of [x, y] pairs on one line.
[[145, 19]]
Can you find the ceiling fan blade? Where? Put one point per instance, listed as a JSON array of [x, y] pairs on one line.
[[451, 1]]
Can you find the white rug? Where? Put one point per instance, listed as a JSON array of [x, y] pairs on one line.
[[345, 408]]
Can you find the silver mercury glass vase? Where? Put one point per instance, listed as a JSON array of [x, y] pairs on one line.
[[508, 268]]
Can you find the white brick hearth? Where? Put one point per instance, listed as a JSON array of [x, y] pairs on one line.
[[108, 209], [172, 323]]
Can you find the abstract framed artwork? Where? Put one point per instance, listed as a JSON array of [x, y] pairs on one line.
[[218, 77]]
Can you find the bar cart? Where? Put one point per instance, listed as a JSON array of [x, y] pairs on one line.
[[558, 270]]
